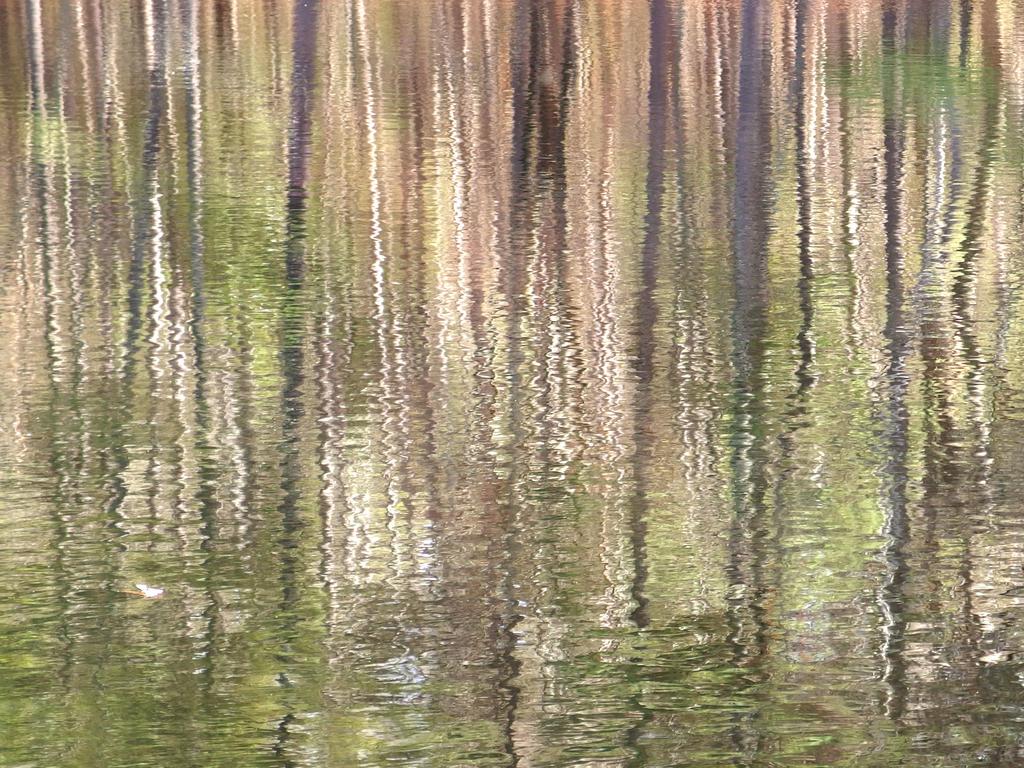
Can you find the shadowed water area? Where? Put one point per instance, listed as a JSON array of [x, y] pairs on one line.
[[526, 383]]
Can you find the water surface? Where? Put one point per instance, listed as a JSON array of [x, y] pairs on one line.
[[512, 383]]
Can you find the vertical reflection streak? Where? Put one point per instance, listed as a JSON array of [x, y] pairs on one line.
[[208, 469], [662, 37], [144, 225], [805, 341], [384, 318], [38, 195], [293, 321], [523, 42], [895, 527], [965, 309], [749, 594]]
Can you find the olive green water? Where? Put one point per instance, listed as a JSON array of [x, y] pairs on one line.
[[512, 383]]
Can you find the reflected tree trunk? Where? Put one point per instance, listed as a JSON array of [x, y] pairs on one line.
[[304, 28], [896, 527], [805, 342], [749, 592], [659, 95]]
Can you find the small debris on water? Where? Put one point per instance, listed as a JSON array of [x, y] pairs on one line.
[[148, 591], [144, 590]]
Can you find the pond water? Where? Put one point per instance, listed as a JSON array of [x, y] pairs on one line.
[[511, 383]]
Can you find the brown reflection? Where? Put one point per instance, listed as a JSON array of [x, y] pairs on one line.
[[658, 100], [896, 526], [292, 357], [749, 590]]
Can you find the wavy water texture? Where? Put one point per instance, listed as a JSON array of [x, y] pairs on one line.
[[511, 383]]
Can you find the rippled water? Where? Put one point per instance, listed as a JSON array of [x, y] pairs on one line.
[[512, 383]]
